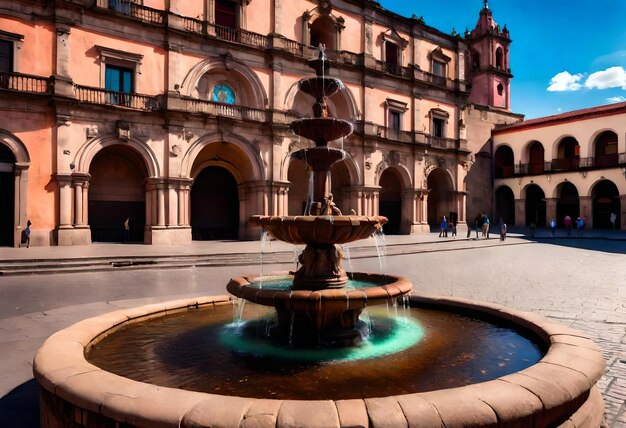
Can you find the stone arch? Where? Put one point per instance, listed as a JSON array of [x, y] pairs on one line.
[[393, 182], [505, 204], [605, 199], [533, 154], [441, 201], [565, 153], [86, 153], [230, 69], [16, 146], [401, 169], [324, 17], [254, 165], [568, 203], [535, 205]]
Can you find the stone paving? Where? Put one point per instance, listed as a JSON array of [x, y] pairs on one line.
[[576, 282]]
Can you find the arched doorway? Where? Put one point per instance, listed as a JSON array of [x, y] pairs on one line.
[[7, 196], [536, 158], [535, 206], [390, 200], [505, 205], [214, 205], [605, 150], [439, 197], [605, 201], [568, 203], [504, 161], [117, 191]]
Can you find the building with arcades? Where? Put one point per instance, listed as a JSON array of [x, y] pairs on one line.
[[571, 164], [175, 113]]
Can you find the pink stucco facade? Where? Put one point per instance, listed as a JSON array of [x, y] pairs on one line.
[[167, 113]]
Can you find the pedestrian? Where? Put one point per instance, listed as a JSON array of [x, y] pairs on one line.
[[453, 226], [552, 226], [502, 230], [485, 226], [26, 234], [567, 222], [127, 229], [478, 223], [580, 225], [443, 228], [533, 226], [613, 218]]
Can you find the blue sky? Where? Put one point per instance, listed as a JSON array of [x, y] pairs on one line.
[[566, 54]]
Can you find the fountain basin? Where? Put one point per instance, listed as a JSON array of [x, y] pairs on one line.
[[320, 230], [557, 391], [321, 129]]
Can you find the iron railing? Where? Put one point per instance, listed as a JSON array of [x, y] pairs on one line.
[[25, 83], [101, 96], [561, 165]]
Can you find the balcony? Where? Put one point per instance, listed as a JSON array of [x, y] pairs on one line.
[[134, 10], [19, 82], [224, 110], [561, 165], [443, 143], [89, 95]]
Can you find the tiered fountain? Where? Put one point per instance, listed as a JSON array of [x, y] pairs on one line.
[[176, 364], [319, 309]]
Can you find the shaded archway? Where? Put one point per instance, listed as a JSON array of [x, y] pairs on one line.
[[214, 205], [568, 203], [535, 206], [605, 150], [7, 196], [536, 158], [505, 205], [117, 191], [503, 162], [439, 196], [390, 200], [606, 200], [567, 155]]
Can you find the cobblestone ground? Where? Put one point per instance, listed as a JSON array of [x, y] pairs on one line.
[[581, 287]]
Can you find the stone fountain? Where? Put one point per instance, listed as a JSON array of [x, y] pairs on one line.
[[319, 309]]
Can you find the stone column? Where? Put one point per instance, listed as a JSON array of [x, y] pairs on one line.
[[20, 206], [622, 200], [520, 212], [586, 210], [551, 208], [63, 84], [64, 228]]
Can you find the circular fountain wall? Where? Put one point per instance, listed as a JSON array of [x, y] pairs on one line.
[[557, 390]]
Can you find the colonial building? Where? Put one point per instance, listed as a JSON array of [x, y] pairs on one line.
[[571, 164], [175, 114]]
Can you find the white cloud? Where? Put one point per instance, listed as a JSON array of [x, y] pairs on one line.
[[619, 99], [564, 81], [613, 77]]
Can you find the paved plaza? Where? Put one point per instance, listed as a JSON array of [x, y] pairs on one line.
[[577, 282]]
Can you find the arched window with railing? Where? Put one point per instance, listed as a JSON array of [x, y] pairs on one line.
[[504, 162], [567, 155], [605, 150]]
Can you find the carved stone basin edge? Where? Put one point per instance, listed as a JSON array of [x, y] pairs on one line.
[[557, 391]]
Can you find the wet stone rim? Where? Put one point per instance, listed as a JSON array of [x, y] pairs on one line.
[[557, 391]]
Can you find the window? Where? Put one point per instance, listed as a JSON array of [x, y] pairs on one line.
[[499, 59], [6, 56], [226, 19], [123, 6], [439, 69], [118, 80], [10, 45], [438, 122], [500, 89], [393, 45], [394, 112], [222, 93]]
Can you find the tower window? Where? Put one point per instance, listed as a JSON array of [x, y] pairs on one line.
[[499, 59], [500, 89]]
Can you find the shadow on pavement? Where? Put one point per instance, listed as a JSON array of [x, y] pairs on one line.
[[592, 244], [20, 407]]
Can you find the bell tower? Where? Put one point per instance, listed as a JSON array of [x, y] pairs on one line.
[[489, 69]]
